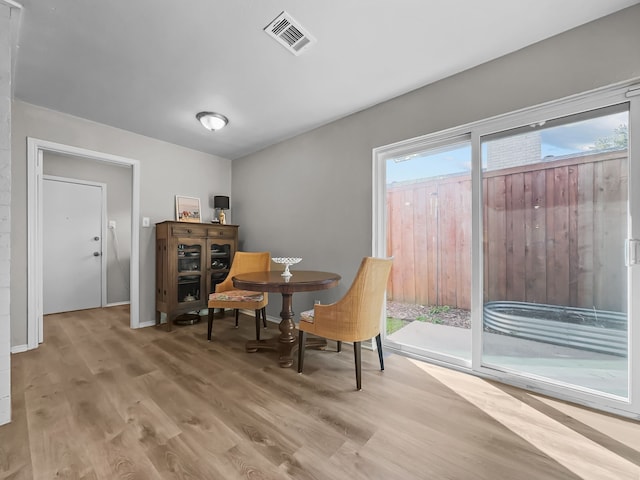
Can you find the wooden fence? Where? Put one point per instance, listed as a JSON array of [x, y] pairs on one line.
[[553, 233]]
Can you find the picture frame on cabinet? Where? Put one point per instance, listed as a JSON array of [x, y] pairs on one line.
[[188, 209]]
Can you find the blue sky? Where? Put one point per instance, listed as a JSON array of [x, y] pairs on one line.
[[561, 140]]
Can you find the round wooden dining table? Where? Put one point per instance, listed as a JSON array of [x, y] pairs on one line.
[[274, 282]]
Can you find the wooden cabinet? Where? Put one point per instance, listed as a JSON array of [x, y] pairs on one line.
[[191, 258]]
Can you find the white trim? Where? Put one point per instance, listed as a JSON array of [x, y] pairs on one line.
[[15, 22], [249, 313], [35, 149], [477, 252], [379, 180], [103, 228], [633, 91], [117, 304], [5, 410], [450, 137], [634, 232], [19, 348], [150, 323], [12, 3]]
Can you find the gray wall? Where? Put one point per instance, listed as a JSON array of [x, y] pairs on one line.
[[118, 180], [317, 201], [165, 170]]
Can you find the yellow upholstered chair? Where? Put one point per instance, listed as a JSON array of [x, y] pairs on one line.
[[354, 318], [226, 296]]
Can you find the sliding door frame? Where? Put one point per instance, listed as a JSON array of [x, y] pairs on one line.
[[620, 93]]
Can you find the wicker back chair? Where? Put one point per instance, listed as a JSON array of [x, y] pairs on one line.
[[354, 318], [226, 296]]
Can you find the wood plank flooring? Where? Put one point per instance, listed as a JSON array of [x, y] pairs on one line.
[[100, 401]]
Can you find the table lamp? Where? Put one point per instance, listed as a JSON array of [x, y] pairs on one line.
[[221, 203]]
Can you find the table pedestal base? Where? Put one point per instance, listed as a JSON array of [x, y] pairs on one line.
[[287, 342]]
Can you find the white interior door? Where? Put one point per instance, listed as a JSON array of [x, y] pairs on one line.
[[73, 213]]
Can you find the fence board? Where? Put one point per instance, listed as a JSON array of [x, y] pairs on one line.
[[433, 247], [585, 222], [394, 247], [558, 270], [539, 207], [515, 237], [447, 267], [543, 239], [550, 280], [574, 270], [408, 273], [420, 215], [496, 263]]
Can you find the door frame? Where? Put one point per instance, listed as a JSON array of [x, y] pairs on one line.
[[35, 151], [445, 138], [103, 227], [628, 91]]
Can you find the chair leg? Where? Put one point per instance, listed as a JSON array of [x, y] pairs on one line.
[[257, 324], [301, 344], [237, 313], [357, 353], [264, 317], [339, 346], [210, 324], [379, 344]]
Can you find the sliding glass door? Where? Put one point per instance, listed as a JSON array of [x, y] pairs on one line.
[[428, 202], [515, 251], [555, 210]]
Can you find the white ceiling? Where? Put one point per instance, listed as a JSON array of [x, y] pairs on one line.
[[149, 66]]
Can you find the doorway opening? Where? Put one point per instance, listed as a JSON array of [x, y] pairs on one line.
[[35, 152]]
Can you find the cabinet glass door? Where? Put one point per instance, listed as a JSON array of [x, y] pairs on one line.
[[220, 254], [189, 271]]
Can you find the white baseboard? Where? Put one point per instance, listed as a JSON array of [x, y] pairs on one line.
[[117, 304], [150, 323], [252, 313], [19, 348], [5, 410]]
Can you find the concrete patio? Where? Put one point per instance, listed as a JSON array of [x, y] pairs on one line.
[[592, 370]]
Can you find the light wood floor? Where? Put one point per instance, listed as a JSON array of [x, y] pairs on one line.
[[100, 401]]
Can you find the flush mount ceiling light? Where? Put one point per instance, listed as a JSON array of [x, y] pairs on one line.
[[212, 121]]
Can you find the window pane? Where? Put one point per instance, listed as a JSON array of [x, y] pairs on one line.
[[555, 224]]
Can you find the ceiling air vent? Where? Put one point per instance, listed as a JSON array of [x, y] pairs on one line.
[[290, 34]]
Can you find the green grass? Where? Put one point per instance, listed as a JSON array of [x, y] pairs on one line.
[[395, 324]]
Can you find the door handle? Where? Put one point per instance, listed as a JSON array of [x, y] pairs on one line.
[[96, 254], [632, 252]]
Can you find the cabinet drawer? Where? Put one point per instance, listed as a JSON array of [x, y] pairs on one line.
[[218, 232], [180, 231]]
